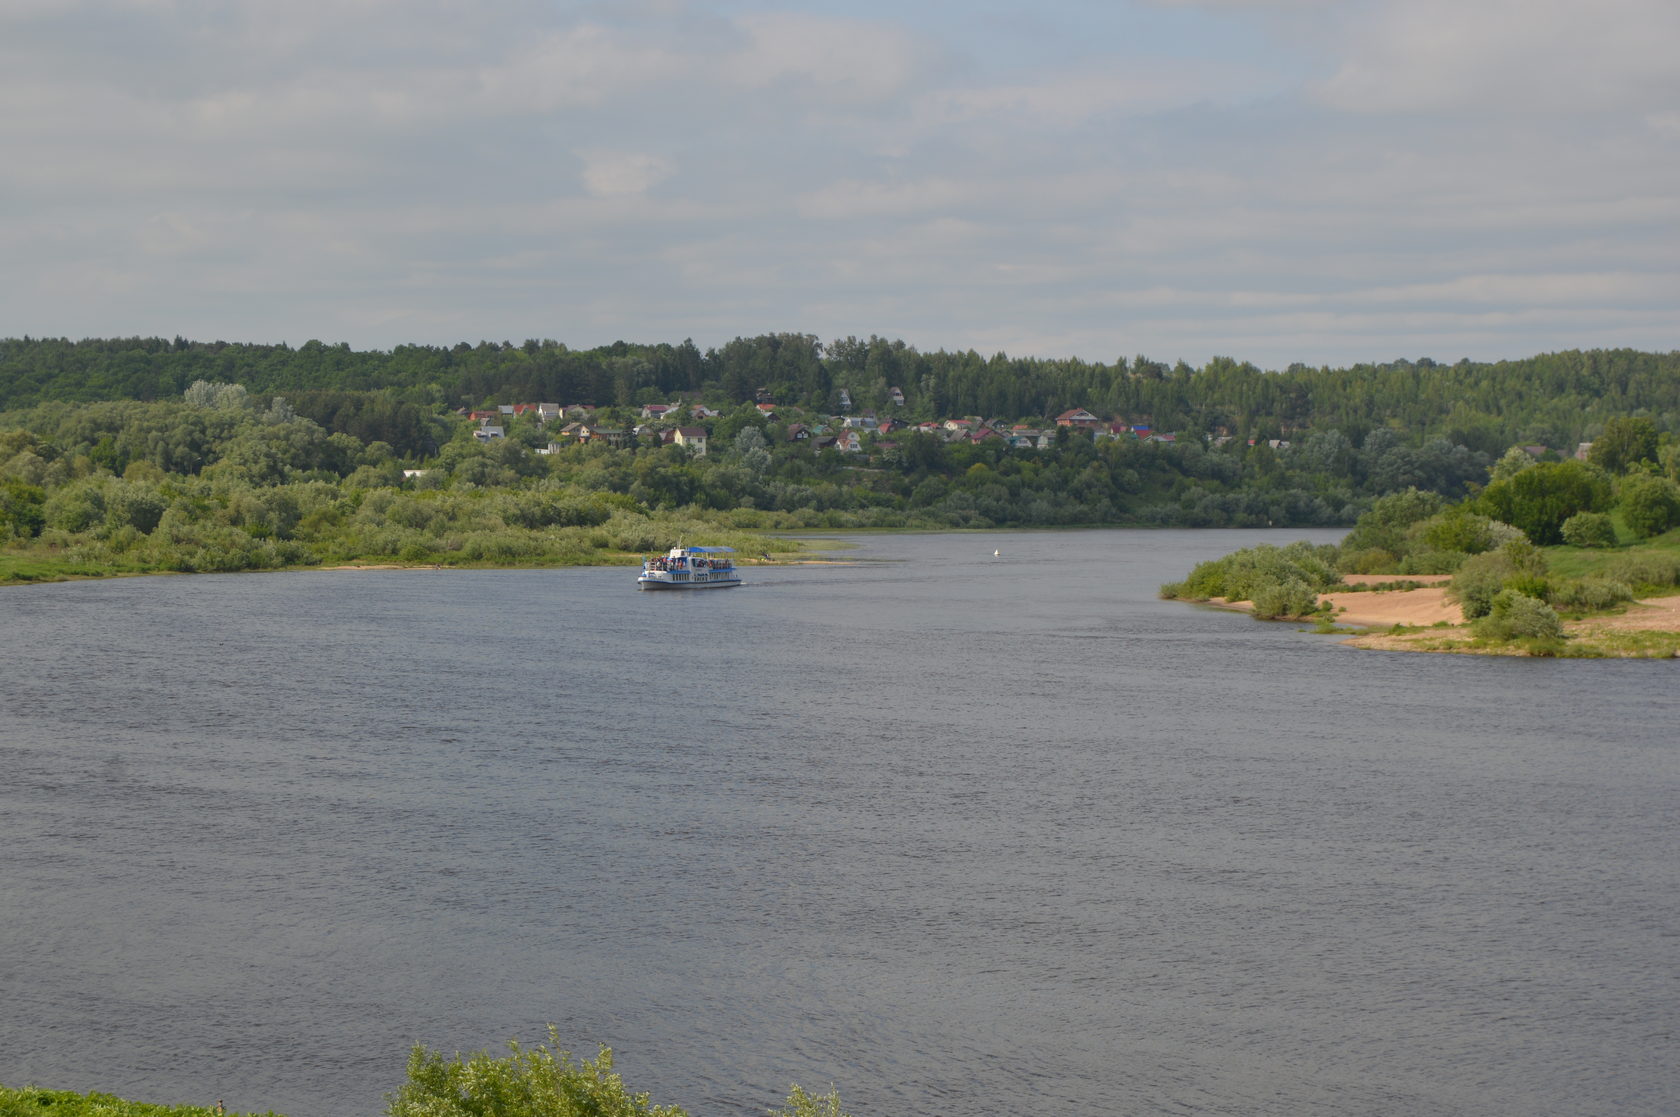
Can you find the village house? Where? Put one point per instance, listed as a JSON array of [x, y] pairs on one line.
[[692, 437], [1078, 418], [617, 439], [548, 412], [896, 396], [488, 431]]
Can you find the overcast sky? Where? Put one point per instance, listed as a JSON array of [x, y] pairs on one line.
[[1326, 181]]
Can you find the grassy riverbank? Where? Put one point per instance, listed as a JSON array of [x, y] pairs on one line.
[[31, 1101], [454, 543]]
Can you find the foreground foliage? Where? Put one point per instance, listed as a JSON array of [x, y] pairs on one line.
[[34, 1102], [542, 1081]]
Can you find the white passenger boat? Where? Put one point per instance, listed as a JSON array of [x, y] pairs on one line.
[[690, 568]]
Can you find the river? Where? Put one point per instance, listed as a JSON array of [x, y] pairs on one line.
[[961, 833]]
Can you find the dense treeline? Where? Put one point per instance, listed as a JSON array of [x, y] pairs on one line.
[[321, 454], [1555, 399]]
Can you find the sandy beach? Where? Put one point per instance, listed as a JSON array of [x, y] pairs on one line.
[[1425, 606]]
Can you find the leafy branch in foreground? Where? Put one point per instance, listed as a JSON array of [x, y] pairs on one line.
[[543, 1081]]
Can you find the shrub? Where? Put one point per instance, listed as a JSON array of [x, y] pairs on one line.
[[1589, 529], [1589, 595], [1459, 529], [537, 1083], [1483, 576], [1517, 616], [1244, 574], [544, 1082], [1289, 598], [1650, 505], [1385, 523], [1368, 560], [1432, 562], [1658, 571]]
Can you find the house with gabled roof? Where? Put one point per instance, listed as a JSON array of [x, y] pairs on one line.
[[1078, 417], [618, 439], [692, 437]]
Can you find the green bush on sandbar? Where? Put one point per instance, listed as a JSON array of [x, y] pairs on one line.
[[1280, 581]]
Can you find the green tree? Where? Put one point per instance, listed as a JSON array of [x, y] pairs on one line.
[[1517, 616], [1589, 529], [1650, 505], [22, 515], [1539, 499], [1627, 440]]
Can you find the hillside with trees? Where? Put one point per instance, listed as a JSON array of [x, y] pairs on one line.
[[145, 454]]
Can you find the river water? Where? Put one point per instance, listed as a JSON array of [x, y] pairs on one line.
[[965, 834]]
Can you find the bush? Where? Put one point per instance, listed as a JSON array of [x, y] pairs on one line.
[[541, 1082], [1368, 560], [1459, 529], [1289, 598], [1483, 576], [1432, 562], [544, 1082], [1517, 616], [1589, 595], [1657, 571], [1650, 505], [1241, 575], [1589, 529]]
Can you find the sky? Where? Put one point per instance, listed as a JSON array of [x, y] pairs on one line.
[[1278, 181]]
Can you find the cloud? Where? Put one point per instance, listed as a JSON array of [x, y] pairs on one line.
[[609, 174], [856, 60], [1071, 180], [1513, 55]]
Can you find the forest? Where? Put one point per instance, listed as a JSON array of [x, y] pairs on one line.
[[144, 454]]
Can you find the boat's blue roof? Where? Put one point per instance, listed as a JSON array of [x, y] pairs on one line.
[[711, 550]]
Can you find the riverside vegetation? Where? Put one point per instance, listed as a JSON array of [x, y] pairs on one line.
[[145, 455], [541, 1081], [1612, 529]]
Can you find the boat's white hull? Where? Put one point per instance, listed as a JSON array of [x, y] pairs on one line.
[[660, 584]]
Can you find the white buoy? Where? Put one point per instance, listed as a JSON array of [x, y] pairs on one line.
[[995, 554]]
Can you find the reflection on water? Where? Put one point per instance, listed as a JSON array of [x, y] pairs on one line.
[[963, 833]]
